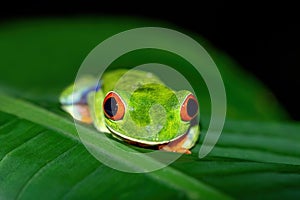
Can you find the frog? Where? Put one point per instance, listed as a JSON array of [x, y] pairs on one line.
[[136, 107]]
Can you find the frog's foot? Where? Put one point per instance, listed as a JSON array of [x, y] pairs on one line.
[[184, 143], [74, 100], [79, 112], [176, 145]]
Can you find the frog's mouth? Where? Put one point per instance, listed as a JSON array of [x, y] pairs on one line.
[[143, 142]]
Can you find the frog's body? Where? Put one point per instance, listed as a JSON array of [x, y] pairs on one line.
[[136, 107]]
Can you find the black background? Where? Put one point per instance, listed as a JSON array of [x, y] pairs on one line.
[[262, 38]]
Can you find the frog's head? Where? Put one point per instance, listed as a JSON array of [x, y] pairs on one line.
[[152, 114]]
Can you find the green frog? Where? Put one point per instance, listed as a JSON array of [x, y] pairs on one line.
[[136, 107]]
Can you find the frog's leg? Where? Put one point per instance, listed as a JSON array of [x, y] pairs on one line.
[[184, 143], [95, 100], [74, 100], [79, 112]]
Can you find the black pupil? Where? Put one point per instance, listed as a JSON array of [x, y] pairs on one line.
[[111, 106], [192, 107]]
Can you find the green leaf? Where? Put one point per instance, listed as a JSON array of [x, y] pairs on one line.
[[43, 148], [42, 153]]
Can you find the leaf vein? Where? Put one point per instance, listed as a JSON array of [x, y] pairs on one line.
[[39, 171], [258, 149], [80, 181], [21, 145], [8, 123]]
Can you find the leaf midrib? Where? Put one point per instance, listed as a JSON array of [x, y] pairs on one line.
[[194, 188]]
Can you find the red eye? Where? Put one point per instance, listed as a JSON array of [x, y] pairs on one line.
[[113, 106], [189, 108]]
